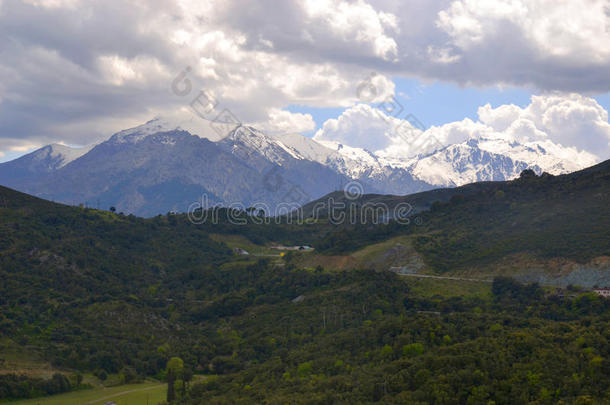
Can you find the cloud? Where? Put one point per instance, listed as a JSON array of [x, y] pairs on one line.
[[373, 129], [357, 22], [546, 44], [570, 120], [282, 121], [76, 71], [314, 30], [542, 23], [567, 120], [361, 126], [11, 147]]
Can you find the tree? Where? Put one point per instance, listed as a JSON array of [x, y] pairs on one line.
[[187, 375], [304, 369], [113, 209], [506, 286], [527, 174], [174, 369], [387, 351], [412, 350]]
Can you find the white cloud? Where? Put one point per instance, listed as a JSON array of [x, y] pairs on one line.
[[76, 70], [282, 122], [560, 122], [139, 70], [357, 22], [11, 147], [570, 120], [360, 126], [553, 28], [52, 3], [549, 44]]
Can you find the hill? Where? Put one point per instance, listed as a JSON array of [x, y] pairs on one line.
[[89, 291], [480, 224]]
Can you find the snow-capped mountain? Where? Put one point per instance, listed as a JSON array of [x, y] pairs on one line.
[[45, 160], [52, 157], [158, 166], [548, 156], [493, 160], [463, 163]]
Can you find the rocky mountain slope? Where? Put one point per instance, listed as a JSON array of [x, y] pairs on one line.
[[159, 167]]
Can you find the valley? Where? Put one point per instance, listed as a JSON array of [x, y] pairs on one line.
[[116, 297]]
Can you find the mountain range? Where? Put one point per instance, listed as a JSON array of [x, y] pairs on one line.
[[159, 167]]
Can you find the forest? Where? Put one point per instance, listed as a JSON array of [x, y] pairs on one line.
[[100, 293]]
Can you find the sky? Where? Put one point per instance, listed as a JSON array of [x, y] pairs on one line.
[[75, 72]]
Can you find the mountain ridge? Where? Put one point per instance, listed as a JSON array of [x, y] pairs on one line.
[[158, 167]]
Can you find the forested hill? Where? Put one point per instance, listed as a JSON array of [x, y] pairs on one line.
[[546, 216], [90, 291], [424, 200], [90, 250]]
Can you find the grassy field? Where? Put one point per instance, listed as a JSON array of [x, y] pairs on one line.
[[20, 359], [397, 251], [148, 393], [238, 241]]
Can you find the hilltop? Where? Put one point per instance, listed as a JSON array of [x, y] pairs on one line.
[[485, 224]]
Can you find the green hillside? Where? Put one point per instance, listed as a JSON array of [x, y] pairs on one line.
[[92, 292], [545, 216]]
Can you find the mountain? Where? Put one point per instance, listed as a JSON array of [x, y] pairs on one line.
[[159, 167], [153, 169], [464, 163], [483, 159], [287, 175], [40, 162]]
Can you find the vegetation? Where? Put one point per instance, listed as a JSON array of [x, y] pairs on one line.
[[21, 386], [146, 393], [516, 347], [97, 292], [545, 216]]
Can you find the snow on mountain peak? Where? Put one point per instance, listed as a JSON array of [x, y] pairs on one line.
[[136, 134], [463, 163], [61, 154], [481, 157], [547, 155], [477, 158], [244, 140]]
